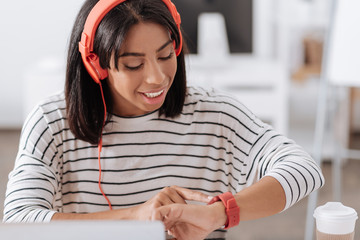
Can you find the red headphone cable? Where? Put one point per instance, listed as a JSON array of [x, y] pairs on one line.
[[100, 146]]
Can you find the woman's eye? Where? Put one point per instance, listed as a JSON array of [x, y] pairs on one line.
[[167, 57], [133, 68]]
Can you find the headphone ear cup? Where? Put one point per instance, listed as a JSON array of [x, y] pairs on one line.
[[179, 49], [174, 45], [93, 67]]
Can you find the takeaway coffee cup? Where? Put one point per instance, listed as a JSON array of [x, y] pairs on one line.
[[334, 221]]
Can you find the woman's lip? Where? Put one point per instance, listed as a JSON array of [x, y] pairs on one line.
[[156, 99], [155, 91], [154, 94]]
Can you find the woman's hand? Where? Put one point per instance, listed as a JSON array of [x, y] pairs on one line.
[[191, 222], [168, 195]]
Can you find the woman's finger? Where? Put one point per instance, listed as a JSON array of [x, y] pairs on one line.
[[169, 195], [192, 195]]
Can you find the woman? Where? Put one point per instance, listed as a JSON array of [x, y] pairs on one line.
[[129, 140]]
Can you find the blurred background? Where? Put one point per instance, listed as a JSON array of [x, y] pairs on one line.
[[267, 53]]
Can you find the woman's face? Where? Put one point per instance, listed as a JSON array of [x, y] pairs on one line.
[[146, 70]]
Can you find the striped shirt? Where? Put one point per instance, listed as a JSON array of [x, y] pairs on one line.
[[215, 145]]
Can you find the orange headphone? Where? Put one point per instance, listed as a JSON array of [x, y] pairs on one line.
[[91, 60], [86, 45]]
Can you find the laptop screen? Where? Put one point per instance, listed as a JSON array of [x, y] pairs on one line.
[[84, 230]]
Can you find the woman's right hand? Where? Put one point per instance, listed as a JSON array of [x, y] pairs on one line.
[[168, 195]]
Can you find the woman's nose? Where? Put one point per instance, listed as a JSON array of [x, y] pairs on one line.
[[154, 73]]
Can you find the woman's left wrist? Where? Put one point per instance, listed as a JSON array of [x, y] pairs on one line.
[[232, 210], [219, 214]]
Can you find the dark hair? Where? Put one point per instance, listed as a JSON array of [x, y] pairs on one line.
[[85, 110]]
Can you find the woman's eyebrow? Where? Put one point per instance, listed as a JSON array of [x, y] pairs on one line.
[[135, 54], [164, 46]]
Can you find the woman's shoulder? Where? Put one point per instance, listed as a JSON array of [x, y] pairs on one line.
[[215, 99], [200, 95], [50, 109], [53, 103], [218, 102]]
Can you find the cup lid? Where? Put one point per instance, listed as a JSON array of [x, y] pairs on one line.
[[335, 211]]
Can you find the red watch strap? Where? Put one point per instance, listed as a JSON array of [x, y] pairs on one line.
[[231, 208]]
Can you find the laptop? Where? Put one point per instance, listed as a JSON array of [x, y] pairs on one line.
[[84, 230]]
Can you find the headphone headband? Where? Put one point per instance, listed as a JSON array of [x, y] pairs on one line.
[[86, 44]]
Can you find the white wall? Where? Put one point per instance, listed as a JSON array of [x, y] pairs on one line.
[[30, 31]]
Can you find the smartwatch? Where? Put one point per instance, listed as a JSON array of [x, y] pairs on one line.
[[231, 208]]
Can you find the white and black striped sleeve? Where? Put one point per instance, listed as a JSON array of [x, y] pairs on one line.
[[281, 158], [33, 182]]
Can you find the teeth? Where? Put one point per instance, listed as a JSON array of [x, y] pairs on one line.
[[153, 95]]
